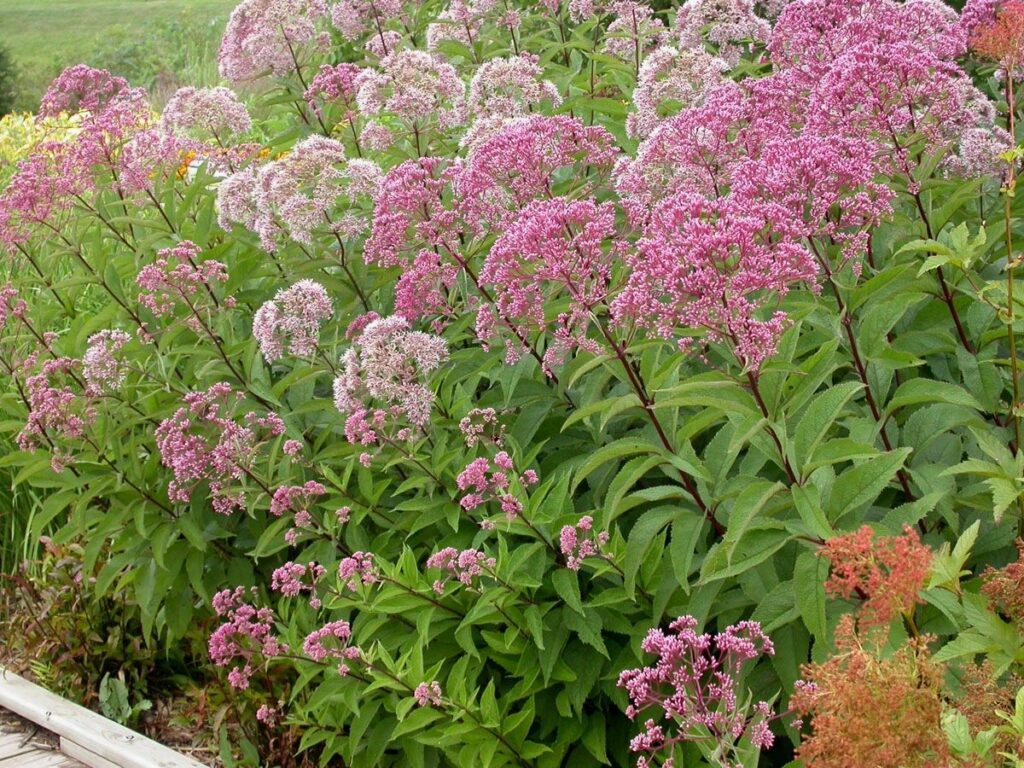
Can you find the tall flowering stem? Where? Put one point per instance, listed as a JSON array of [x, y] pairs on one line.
[[1003, 41]]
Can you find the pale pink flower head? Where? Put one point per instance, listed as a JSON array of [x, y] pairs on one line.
[[466, 566], [332, 641], [267, 35], [102, 368], [420, 89], [152, 157], [464, 20], [354, 18], [301, 193], [206, 112], [427, 695], [334, 86], [671, 79], [522, 162], [506, 88], [730, 28], [358, 570], [81, 88], [55, 412], [385, 371], [292, 319], [633, 31]]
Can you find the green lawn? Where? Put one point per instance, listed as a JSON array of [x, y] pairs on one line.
[[152, 41]]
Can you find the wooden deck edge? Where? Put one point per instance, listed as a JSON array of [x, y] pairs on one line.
[[117, 745]]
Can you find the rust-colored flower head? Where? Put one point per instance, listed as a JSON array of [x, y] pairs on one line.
[[871, 711], [887, 572], [1002, 40]]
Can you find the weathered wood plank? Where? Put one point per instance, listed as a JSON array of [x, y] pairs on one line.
[[121, 746], [85, 756], [41, 758], [14, 745]]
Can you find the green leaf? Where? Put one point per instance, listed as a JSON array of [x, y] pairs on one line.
[[649, 525], [862, 483], [809, 577], [614, 450], [567, 587], [819, 417], [923, 390]]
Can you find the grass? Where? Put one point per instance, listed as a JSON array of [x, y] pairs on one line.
[[46, 35]]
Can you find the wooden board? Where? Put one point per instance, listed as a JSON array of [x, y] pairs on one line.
[[25, 746], [106, 741]]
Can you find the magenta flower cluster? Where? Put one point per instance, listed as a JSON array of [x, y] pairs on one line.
[[485, 483], [203, 442], [696, 683], [245, 638], [332, 641], [580, 541], [466, 566]]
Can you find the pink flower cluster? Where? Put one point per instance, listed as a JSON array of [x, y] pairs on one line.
[[633, 30], [298, 194], [518, 165], [55, 411], [102, 369], [671, 79], [580, 541], [358, 570], [502, 89], [410, 213], [486, 483], [729, 27], [696, 683], [296, 499], [463, 20], [153, 156], [466, 566], [382, 383], [332, 641], [294, 318], [428, 694], [81, 88], [354, 18], [266, 36], [202, 442], [418, 88], [177, 279], [481, 424], [558, 252], [206, 112], [245, 637], [52, 179], [292, 579], [709, 264], [335, 86], [11, 305]]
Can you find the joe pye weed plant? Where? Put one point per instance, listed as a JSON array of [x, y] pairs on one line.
[[544, 383]]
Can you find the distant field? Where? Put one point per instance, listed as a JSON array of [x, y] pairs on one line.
[[137, 36]]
